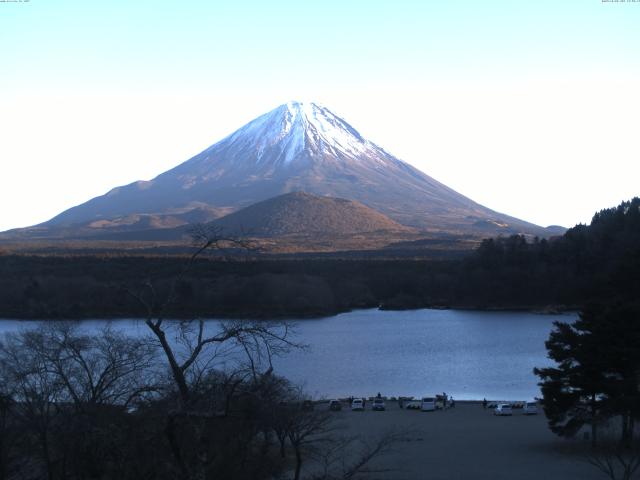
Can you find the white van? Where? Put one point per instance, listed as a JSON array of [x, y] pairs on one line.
[[428, 404]]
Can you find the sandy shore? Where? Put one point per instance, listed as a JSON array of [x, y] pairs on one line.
[[469, 443]]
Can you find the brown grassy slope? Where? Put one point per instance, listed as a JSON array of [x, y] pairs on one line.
[[300, 213]]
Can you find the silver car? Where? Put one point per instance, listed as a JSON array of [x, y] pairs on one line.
[[503, 409]]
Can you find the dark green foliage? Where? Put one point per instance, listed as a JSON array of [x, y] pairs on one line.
[[587, 263], [600, 261], [597, 376], [95, 287]]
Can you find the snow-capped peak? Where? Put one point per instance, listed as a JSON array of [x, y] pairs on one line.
[[294, 128]]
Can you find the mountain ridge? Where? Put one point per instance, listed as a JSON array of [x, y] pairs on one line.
[[294, 147]]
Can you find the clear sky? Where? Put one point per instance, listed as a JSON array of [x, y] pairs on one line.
[[531, 108]]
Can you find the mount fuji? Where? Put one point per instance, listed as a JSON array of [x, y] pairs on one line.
[[297, 147]]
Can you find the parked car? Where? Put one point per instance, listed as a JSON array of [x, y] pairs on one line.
[[357, 404], [428, 404], [503, 409], [413, 405], [530, 408], [378, 404], [335, 405]]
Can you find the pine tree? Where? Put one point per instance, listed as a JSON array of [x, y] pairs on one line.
[[597, 376]]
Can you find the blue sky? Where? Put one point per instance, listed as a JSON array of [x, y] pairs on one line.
[[530, 108]]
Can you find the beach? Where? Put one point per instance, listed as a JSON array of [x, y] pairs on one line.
[[467, 442]]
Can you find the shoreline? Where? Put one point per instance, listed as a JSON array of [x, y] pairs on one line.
[[491, 403], [536, 310]]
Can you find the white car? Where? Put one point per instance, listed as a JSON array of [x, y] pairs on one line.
[[378, 404], [530, 408], [413, 405], [428, 404], [503, 409], [357, 404]]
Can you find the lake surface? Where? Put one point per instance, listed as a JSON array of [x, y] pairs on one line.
[[467, 354]]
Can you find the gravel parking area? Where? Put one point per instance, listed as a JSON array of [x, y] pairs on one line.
[[469, 442]]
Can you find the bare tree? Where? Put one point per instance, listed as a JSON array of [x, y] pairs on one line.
[[8, 438], [315, 437], [200, 347], [617, 460], [36, 394], [259, 340], [109, 368], [69, 388], [307, 431], [351, 457]]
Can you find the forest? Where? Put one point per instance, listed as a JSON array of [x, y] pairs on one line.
[[600, 260]]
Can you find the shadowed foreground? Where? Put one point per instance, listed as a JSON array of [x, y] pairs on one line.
[[469, 442]]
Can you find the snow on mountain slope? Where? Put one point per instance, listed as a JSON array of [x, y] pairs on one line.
[[299, 147], [294, 127]]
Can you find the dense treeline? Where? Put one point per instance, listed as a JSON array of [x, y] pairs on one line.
[[588, 263], [594, 381], [80, 287], [596, 261]]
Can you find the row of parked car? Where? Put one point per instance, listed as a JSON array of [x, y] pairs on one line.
[[430, 404], [506, 409], [427, 404], [358, 404]]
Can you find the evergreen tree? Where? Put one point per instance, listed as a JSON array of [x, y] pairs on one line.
[[617, 330], [597, 376]]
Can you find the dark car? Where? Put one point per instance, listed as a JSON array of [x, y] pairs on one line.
[[335, 405]]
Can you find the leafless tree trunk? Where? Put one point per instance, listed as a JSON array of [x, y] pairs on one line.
[[307, 431], [190, 360], [6, 404], [618, 463], [339, 462], [62, 378], [259, 340], [36, 393], [618, 460]]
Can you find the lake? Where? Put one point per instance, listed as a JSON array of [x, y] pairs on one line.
[[467, 354]]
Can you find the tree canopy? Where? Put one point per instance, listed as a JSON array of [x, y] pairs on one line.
[[597, 376]]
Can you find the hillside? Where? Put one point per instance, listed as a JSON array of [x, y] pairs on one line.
[[301, 213]]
